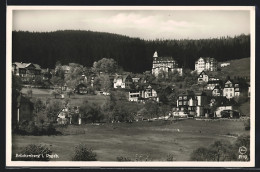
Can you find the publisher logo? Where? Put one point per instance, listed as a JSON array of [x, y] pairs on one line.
[[242, 150]]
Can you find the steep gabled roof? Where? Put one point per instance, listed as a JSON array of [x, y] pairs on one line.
[[25, 65], [165, 59], [123, 77]]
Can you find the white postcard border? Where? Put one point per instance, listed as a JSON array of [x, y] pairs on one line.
[[10, 163]]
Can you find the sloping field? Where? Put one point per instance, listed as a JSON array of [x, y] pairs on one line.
[[156, 139]]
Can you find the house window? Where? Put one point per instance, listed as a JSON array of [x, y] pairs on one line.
[[180, 103], [185, 98], [230, 94], [185, 103], [180, 98]]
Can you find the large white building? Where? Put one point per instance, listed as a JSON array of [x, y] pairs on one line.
[[164, 64], [206, 64]]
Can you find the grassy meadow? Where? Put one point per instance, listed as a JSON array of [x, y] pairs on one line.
[[75, 99], [156, 139]]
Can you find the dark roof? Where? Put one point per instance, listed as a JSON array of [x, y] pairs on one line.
[[214, 82], [217, 87], [164, 58], [200, 93], [187, 93], [203, 73], [81, 85]]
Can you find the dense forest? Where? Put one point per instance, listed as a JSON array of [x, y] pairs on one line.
[[133, 54]]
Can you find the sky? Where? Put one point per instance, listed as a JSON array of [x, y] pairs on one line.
[[144, 24]]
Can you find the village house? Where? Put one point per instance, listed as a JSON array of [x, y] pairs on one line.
[[135, 79], [220, 109], [149, 93], [26, 71], [203, 77], [69, 115], [143, 94], [206, 64], [164, 64], [134, 95], [217, 91], [231, 89], [64, 116], [212, 83], [123, 81], [192, 103], [224, 64], [47, 74], [81, 89]]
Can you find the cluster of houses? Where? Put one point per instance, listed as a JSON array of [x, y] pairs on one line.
[[189, 103]]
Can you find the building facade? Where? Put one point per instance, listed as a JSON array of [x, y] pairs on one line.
[[26, 71], [206, 64], [231, 89], [164, 64], [141, 95], [203, 77], [123, 81]]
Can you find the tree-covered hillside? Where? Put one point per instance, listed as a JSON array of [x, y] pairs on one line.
[[133, 54]]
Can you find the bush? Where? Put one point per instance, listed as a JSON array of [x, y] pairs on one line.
[[32, 149], [83, 153], [222, 151], [247, 125], [50, 130], [29, 128], [170, 157], [122, 158]]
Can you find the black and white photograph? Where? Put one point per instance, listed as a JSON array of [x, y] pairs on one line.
[[130, 86]]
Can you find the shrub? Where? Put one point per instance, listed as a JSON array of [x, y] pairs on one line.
[[50, 130], [142, 157], [222, 151], [31, 150], [29, 128], [202, 154], [170, 157], [122, 158], [247, 125], [83, 153], [32, 129]]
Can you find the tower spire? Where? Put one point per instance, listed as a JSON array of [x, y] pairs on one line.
[[155, 54]]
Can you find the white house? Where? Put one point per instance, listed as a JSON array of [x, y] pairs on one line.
[[224, 64], [205, 64], [220, 109], [64, 116], [217, 91], [203, 77], [149, 93], [122, 81], [134, 95], [231, 90]]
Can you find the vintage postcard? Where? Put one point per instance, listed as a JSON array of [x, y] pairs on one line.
[[130, 86]]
